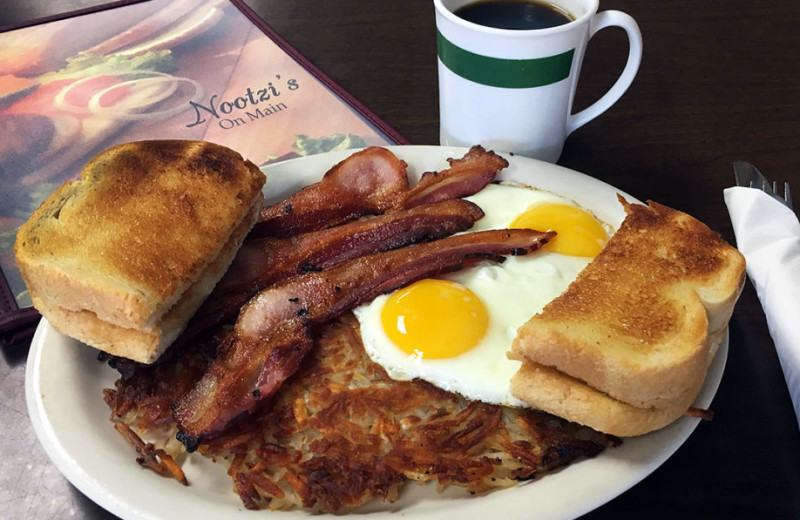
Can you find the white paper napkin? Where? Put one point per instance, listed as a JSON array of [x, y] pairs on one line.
[[768, 235]]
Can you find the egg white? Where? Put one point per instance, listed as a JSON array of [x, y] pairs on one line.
[[512, 292]]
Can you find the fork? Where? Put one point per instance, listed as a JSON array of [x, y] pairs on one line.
[[787, 195], [748, 176]]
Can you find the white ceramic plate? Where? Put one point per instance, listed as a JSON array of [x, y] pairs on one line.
[[64, 383]]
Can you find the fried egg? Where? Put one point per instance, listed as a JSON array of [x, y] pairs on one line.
[[454, 330]]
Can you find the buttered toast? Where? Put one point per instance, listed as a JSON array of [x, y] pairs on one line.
[[631, 339], [123, 257]]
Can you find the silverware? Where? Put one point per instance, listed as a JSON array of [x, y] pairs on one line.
[[748, 176]]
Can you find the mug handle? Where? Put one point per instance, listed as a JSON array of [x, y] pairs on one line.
[[601, 21]]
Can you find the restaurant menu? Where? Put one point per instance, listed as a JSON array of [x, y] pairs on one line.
[[159, 69]]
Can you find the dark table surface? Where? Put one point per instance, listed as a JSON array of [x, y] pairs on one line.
[[719, 82]]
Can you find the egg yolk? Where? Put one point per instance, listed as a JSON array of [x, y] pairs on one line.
[[579, 233], [434, 319]]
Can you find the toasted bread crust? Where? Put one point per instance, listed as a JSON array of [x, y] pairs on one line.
[[638, 322], [140, 226], [556, 393], [122, 258], [146, 345]]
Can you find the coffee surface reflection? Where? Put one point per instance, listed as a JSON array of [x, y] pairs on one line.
[[514, 14]]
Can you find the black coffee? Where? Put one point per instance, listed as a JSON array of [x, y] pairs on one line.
[[514, 14]]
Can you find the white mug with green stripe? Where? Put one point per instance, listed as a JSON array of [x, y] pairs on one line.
[[512, 90]]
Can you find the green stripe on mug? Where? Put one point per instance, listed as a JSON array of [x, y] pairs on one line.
[[500, 72]]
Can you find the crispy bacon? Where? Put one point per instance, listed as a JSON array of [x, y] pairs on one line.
[[367, 183], [370, 182], [246, 371], [701, 413], [271, 337], [465, 176], [264, 261], [320, 297]]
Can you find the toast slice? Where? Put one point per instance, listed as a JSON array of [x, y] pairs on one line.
[[134, 247], [570, 399], [566, 397], [640, 323]]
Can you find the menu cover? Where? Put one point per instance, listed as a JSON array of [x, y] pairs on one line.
[[157, 69]]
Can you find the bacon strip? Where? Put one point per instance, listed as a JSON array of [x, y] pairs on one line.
[[320, 297], [466, 176], [247, 371], [370, 182], [702, 413], [264, 261], [367, 183], [271, 334]]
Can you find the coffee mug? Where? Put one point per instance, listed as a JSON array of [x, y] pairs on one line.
[[512, 90]]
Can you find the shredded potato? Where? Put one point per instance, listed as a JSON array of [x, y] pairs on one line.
[[341, 432]]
